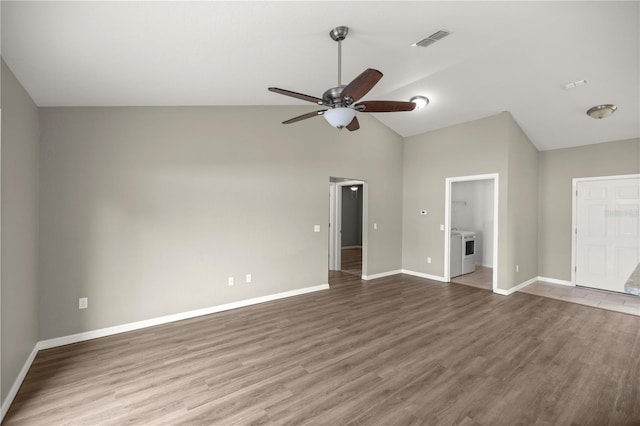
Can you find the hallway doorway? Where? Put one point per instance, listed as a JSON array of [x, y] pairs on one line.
[[347, 236]]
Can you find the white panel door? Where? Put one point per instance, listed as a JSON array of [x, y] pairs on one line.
[[607, 232]]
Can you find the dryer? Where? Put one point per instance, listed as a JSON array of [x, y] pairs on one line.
[[468, 251], [462, 258]]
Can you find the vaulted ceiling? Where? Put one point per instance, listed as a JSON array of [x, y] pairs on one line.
[[500, 56]]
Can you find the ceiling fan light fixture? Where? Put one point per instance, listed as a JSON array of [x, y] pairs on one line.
[[601, 111], [340, 117], [420, 101]]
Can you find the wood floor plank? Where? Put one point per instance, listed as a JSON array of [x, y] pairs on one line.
[[397, 350]]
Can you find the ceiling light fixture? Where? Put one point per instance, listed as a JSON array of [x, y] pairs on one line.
[[420, 101], [601, 111], [340, 117]]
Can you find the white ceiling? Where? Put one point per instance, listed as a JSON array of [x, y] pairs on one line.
[[501, 56]]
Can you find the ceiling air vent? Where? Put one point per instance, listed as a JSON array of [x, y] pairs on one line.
[[438, 35]]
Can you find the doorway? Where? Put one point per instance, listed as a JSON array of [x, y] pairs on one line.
[[606, 237], [347, 230], [471, 230]]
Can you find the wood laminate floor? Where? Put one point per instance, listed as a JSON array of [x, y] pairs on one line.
[[396, 350], [482, 277], [351, 260]]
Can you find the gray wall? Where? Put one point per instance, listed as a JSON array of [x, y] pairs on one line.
[[522, 207], [490, 145], [19, 177], [557, 169], [351, 216], [147, 211], [473, 148]]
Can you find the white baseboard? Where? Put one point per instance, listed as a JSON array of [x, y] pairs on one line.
[[18, 382], [555, 281], [516, 288], [88, 335], [109, 331], [381, 274], [421, 275]]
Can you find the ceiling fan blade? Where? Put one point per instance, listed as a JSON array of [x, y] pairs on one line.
[[304, 116], [297, 95], [361, 85], [354, 125], [384, 106]]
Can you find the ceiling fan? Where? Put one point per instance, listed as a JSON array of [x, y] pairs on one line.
[[340, 100]]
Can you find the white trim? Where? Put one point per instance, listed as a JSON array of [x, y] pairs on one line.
[[632, 176], [555, 281], [94, 334], [335, 213], [574, 225], [365, 227], [516, 288], [447, 222], [18, 382], [574, 215], [333, 254], [382, 274], [422, 275]]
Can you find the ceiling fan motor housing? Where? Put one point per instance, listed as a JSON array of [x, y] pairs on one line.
[[333, 97]]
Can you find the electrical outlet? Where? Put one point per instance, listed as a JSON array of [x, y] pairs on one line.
[[442, 227], [230, 280], [428, 260], [83, 303], [517, 268], [248, 278], [375, 226], [316, 228]]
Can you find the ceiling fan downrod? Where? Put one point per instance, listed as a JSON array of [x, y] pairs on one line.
[[338, 34]]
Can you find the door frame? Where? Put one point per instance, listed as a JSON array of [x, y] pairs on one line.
[[574, 215], [335, 222], [447, 222]]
